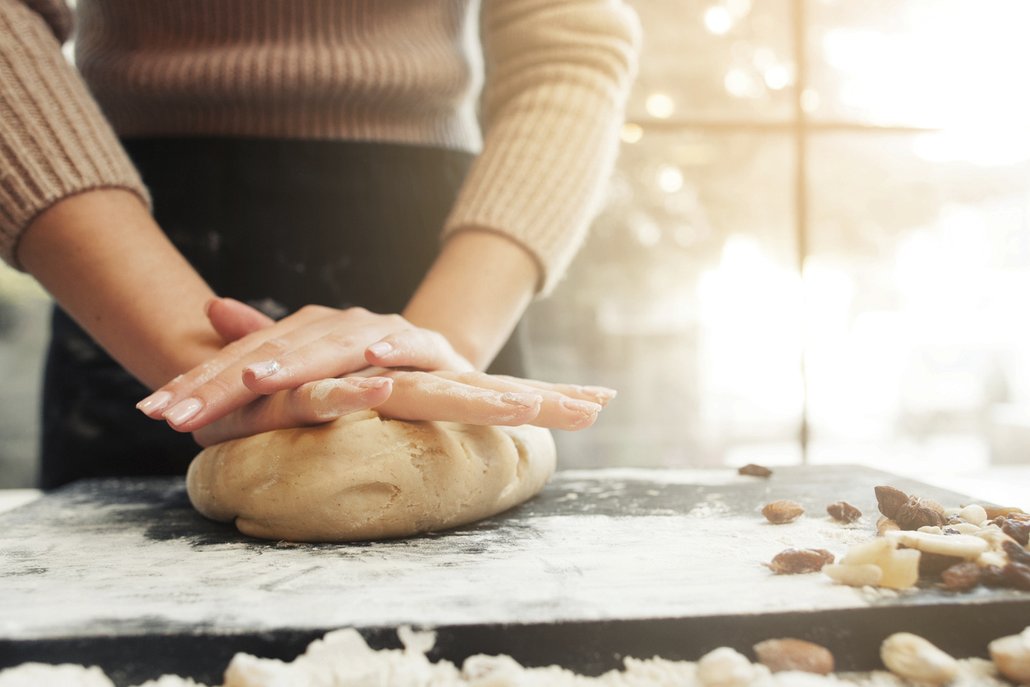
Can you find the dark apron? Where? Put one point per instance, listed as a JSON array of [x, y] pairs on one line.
[[275, 223]]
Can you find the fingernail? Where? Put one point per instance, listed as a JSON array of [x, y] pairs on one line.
[[602, 393], [380, 349], [183, 410], [521, 399], [370, 382], [264, 369], [582, 407], [155, 401]]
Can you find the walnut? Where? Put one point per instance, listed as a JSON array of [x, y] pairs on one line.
[[799, 561], [843, 511], [794, 654], [919, 512], [783, 511], [889, 500]]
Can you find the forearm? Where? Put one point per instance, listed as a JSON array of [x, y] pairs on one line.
[[107, 263], [475, 293]]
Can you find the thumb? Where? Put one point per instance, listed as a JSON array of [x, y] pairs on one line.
[[234, 320]]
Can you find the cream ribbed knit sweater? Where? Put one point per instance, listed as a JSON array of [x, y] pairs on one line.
[[556, 77]]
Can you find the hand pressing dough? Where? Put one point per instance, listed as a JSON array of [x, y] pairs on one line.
[[365, 477]]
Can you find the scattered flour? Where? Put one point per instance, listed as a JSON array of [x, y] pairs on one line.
[[343, 659]]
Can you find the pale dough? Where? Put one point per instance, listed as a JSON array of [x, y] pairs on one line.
[[365, 477]]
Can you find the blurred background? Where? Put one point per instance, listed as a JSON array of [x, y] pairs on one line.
[[815, 248]]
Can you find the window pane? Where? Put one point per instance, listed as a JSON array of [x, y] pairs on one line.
[[919, 272], [685, 299], [922, 63], [714, 60]]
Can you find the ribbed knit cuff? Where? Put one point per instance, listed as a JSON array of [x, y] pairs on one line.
[[558, 75], [54, 142]]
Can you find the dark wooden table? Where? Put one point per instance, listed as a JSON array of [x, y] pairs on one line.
[[603, 564]]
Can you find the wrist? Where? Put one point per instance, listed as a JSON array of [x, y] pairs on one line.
[[475, 292]]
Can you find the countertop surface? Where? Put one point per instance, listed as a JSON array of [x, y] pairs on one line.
[[627, 561]]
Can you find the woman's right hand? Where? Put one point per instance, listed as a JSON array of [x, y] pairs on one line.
[[470, 397]]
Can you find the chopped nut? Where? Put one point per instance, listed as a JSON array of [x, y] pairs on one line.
[[724, 667], [797, 561], [996, 511], [1011, 656], [932, 529], [871, 551], [961, 576], [794, 654], [994, 537], [918, 512], [900, 569], [782, 512], [863, 575], [964, 546], [754, 470], [884, 525], [974, 514], [911, 657], [843, 511], [889, 500], [992, 558], [965, 528]]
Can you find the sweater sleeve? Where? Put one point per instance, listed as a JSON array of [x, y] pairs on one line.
[[557, 78], [54, 141]]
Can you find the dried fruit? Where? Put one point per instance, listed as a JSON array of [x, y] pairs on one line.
[[797, 561], [1017, 529], [961, 576], [911, 657], [919, 512], [993, 576], [843, 511], [1017, 576], [934, 564], [794, 654], [889, 500], [1016, 553], [754, 470], [724, 667], [1011, 656], [782, 511]]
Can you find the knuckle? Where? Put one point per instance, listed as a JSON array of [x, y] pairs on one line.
[[273, 348]]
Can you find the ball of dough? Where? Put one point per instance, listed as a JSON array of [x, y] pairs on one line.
[[366, 477]]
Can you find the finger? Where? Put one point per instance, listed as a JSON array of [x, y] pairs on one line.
[[336, 352], [558, 410], [601, 395], [215, 388], [234, 320], [424, 396], [423, 349], [310, 404]]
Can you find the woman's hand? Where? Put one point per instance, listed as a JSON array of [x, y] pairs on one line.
[[469, 397], [264, 357]]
